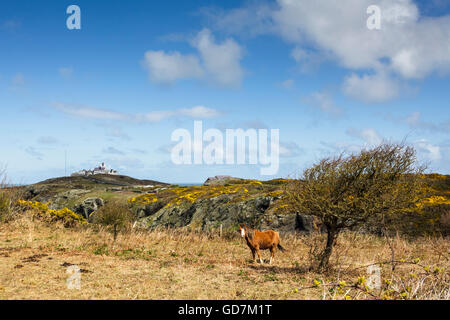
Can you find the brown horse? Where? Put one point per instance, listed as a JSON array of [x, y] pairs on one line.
[[257, 240]]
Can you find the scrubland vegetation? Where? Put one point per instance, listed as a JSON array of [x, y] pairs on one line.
[[180, 264], [382, 234]]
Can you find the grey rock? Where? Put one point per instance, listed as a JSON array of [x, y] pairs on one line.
[[208, 213], [290, 223], [88, 206], [221, 210], [216, 180]]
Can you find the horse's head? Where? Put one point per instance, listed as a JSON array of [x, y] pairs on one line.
[[243, 229], [246, 231]]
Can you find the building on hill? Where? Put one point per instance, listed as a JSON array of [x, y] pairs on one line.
[[97, 170]]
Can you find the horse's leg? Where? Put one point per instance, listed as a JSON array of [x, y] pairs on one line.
[[272, 254], [259, 255], [254, 255]]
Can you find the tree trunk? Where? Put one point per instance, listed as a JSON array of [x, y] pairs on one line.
[[331, 240], [115, 232]]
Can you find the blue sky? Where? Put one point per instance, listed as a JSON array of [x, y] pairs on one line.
[[115, 90]]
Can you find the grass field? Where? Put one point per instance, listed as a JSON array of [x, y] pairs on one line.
[[176, 264]]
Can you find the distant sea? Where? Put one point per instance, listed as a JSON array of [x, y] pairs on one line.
[[188, 184], [182, 184]]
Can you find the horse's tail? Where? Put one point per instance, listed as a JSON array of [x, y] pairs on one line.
[[281, 248]]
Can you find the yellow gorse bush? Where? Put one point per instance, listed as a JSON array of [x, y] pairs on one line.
[[275, 193], [255, 182], [42, 210], [437, 176], [33, 205], [432, 201], [144, 199], [205, 193], [177, 196]]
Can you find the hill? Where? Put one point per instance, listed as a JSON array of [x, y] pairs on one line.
[[72, 192], [106, 179], [181, 263], [225, 203]]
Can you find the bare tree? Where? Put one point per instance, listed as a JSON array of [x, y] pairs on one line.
[[374, 186]]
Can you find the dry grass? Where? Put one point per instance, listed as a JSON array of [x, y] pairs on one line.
[[176, 264]]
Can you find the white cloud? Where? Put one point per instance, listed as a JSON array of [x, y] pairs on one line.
[[339, 27], [308, 60], [218, 62], [167, 68], [371, 88], [407, 46], [324, 102], [197, 112], [252, 20], [200, 112], [290, 149], [221, 61], [370, 136], [91, 112], [156, 116], [415, 121], [432, 152]]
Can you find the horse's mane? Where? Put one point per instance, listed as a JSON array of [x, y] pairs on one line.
[[250, 233]]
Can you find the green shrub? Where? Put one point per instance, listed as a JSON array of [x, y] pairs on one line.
[[115, 216], [5, 204], [8, 204]]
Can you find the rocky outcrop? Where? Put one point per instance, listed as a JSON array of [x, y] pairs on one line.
[[88, 206], [290, 223], [54, 198], [207, 213], [222, 201], [211, 213], [217, 180]]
